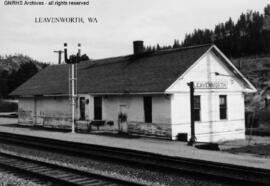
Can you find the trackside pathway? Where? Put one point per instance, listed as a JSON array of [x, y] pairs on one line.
[[164, 147]]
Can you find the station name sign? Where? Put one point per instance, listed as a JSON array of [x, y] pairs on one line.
[[210, 85]]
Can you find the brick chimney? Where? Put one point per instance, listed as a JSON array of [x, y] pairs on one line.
[[138, 47]]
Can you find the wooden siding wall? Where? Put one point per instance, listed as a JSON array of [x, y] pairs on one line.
[[211, 128], [150, 129], [55, 112], [51, 112], [26, 111]]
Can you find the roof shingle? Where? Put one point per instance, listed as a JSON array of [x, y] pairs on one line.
[[152, 72]]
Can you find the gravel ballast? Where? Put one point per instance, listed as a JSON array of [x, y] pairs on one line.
[[11, 179], [143, 176]]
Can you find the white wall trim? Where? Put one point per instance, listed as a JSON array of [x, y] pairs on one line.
[[218, 133], [253, 89], [188, 70], [206, 91]]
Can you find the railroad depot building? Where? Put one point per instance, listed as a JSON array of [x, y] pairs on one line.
[[145, 93]]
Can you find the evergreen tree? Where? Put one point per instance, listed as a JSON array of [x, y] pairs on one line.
[[250, 35]]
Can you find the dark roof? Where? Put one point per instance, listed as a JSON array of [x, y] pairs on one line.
[[147, 73]]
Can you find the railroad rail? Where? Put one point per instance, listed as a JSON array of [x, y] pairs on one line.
[[204, 169], [57, 174]]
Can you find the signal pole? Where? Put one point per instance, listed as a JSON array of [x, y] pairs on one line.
[[73, 80], [73, 97]]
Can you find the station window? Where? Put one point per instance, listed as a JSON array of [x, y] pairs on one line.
[[223, 107], [147, 105], [197, 108], [97, 108]]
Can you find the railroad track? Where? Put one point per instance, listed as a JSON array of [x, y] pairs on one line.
[[57, 174], [202, 169]]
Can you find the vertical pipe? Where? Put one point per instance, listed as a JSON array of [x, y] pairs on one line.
[[76, 68], [59, 57], [35, 110], [65, 53], [210, 103], [79, 49], [69, 78]]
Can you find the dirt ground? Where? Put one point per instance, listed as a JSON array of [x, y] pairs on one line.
[[254, 150], [253, 145]]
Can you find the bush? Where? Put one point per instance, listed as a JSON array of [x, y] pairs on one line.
[[251, 120], [262, 118], [264, 115], [8, 106]]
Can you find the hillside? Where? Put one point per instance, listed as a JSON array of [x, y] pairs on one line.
[[257, 70], [16, 69], [252, 67], [246, 42], [13, 62]]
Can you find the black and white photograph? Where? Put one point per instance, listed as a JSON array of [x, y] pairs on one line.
[[134, 92]]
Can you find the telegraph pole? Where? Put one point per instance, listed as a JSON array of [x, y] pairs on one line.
[[59, 52]]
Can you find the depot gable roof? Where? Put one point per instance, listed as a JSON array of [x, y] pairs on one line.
[[145, 73]]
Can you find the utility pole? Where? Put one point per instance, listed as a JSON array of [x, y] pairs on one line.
[[59, 52], [192, 123]]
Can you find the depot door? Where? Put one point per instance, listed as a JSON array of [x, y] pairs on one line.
[[123, 117], [82, 108]]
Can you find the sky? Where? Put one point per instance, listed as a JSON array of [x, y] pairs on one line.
[[120, 22]]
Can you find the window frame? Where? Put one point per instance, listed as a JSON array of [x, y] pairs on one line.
[[198, 108], [223, 107]]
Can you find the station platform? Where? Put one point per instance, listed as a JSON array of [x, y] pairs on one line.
[[157, 146]]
